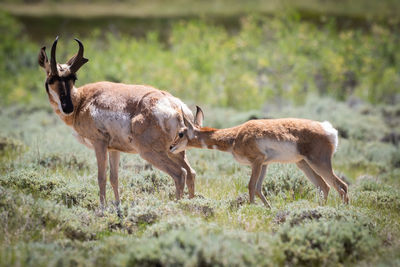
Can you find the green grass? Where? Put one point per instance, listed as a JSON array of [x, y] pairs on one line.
[[272, 67], [49, 197]]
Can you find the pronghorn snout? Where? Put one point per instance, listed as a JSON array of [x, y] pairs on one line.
[[172, 149]]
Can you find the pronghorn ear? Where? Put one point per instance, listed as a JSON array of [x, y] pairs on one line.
[[199, 117], [43, 60], [186, 121], [189, 125]]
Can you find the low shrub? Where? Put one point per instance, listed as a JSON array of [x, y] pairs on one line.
[[197, 248], [52, 186], [26, 218], [388, 200], [55, 161], [297, 216], [198, 206], [286, 179], [10, 148], [177, 222], [150, 181], [325, 242]]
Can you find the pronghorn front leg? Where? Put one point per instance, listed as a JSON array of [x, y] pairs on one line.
[[114, 164], [101, 155], [255, 174]]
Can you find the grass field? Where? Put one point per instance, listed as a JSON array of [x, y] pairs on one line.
[[49, 195], [269, 67]]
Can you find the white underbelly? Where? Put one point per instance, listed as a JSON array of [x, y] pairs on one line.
[[278, 151]]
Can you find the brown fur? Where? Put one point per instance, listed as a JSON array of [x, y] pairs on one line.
[[132, 109], [260, 142]]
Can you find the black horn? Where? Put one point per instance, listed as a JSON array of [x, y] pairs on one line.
[[78, 60], [53, 62]]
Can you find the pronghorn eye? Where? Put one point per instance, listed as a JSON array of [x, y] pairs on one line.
[[180, 135]]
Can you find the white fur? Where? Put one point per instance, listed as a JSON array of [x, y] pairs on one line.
[[181, 146], [56, 98], [182, 105], [331, 132], [276, 151], [166, 111], [62, 69], [116, 123]]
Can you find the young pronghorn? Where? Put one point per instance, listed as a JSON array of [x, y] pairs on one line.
[[309, 144], [114, 117]]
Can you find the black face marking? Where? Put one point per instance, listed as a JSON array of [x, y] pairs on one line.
[[63, 88]]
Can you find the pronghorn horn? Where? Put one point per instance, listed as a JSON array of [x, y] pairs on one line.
[[78, 59], [53, 63]]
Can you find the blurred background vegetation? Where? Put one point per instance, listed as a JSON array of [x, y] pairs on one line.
[[318, 59], [239, 54]]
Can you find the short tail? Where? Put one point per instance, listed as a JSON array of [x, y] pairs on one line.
[[331, 132]]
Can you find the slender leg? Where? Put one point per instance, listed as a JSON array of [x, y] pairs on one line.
[[101, 156], [324, 168], [161, 161], [255, 174], [181, 160], [317, 180], [259, 186], [114, 164]]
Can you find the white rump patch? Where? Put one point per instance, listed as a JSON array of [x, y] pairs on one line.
[[182, 105], [166, 111], [331, 132]]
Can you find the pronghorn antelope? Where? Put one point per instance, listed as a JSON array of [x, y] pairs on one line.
[[114, 117], [309, 144]]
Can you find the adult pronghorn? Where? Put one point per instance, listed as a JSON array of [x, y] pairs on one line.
[[115, 117], [309, 144]]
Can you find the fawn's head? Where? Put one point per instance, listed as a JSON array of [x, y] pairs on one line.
[[60, 78], [187, 133]]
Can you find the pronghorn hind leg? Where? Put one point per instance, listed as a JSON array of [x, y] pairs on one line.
[[114, 164], [317, 180], [101, 156], [324, 169], [161, 161], [255, 174], [181, 159], [259, 186]]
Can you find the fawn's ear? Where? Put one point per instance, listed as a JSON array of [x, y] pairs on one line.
[[199, 117]]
